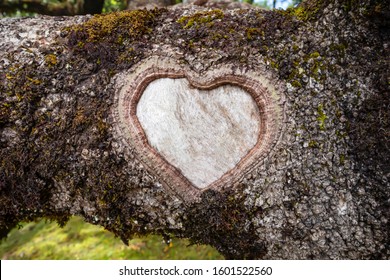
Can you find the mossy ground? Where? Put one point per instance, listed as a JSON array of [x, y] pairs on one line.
[[79, 240]]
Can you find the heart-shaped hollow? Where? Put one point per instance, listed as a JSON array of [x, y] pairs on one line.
[[202, 133], [260, 113]]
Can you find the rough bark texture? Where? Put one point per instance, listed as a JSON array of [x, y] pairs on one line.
[[323, 193]]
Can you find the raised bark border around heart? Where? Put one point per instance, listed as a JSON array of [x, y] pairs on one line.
[[267, 95]]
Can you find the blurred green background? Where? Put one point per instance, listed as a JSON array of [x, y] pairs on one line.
[[78, 240]]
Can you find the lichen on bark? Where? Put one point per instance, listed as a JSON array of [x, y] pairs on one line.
[[324, 193]]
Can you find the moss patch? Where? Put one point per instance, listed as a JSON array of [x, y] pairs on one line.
[[321, 117], [305, 11], [200, 18], [111, 27], [112, 38], [225, 224], [51, 59]]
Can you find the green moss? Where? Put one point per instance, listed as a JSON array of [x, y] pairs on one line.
[[296, 73], [348, 5], [338, 48], [314, 55], [305, 11], [296, 84], [252, 32], [9, 76], [340, 134], [313, 144], [342, 159], [51, 60], [34, 81], [107, 41], [119, 25], [314, 66], [200, 18], [314, 71], [102, 126], [321, 117], [300, 13], [274, 64], [224, 217]]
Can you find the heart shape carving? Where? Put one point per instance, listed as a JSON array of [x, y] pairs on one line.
[[196, 132], [202, 133]]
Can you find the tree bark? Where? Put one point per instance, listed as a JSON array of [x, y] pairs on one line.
[[314, 186]]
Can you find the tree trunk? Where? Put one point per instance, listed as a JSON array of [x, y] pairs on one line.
[[262, 133]]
